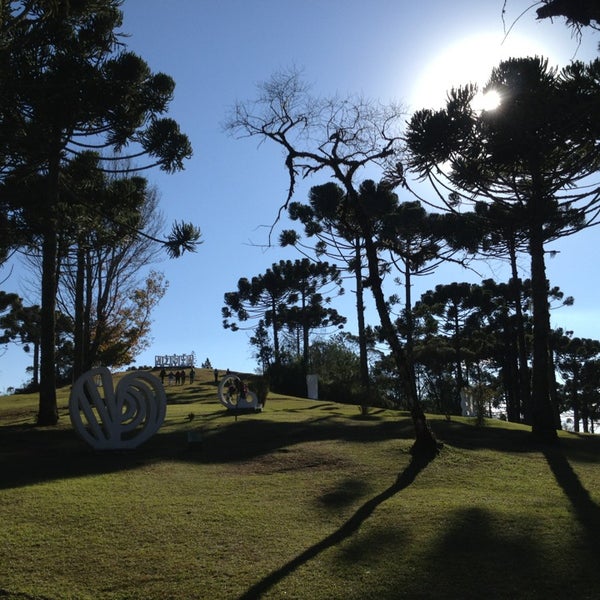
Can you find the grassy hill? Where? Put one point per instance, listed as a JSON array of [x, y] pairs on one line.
[[305, 500]]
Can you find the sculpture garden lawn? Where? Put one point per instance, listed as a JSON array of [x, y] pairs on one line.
[[304, 500]]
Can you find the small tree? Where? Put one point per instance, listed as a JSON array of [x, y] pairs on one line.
[[287, 295], [579, 363], [259, 299]]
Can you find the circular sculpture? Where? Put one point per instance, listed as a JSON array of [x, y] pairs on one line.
[[234, 394], [118, 419]]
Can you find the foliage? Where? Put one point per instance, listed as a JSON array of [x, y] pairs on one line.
[[287, 376], [260, 386], [261, 341], [127, 329], [340, 137], [101, 265], [532, 157], [328, 218], [336, 363], [578, 362], [290, 295], [69, 87], [577, 14], [21, 325]]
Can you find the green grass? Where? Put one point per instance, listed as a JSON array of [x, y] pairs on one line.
[[305, 500]]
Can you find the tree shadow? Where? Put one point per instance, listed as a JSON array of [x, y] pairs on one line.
[[347, 529], [345, 494], [250, 438], [586, 511], [30, 455], [471, 437], [481, 560]]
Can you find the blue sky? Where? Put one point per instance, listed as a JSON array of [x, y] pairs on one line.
[[390, 50]]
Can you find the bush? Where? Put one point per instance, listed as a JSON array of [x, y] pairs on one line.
[[260, 386], [287, 379]]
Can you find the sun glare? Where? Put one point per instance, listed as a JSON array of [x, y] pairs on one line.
[[488, 101], [469, 60]]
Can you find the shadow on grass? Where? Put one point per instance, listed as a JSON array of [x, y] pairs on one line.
[[30, 455], [344, 532], [247, 439], [347, 492], [478, 558], [586, 511], [471, 437]]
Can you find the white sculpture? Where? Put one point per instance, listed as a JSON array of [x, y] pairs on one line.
[[467, 403], [312, 385], [234, 394], [118, 419]]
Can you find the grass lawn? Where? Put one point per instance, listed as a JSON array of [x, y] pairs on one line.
[[306, 500]]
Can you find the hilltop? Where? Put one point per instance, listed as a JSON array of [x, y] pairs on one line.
[[306, 499]]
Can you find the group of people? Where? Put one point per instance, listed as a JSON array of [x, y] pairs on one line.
[[177, 378]]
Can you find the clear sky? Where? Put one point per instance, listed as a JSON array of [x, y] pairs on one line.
[[390, 50]]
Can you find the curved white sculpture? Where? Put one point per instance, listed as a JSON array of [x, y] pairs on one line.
[[118, 419], [234, 395]]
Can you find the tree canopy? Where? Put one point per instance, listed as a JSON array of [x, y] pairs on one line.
[[533, 156], [69, 86]]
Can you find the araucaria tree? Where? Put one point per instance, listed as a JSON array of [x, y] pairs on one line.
[[258, 300], [337, 137], [327, 219], [289, 295], [68, 85], [103, 258], [536, 156]]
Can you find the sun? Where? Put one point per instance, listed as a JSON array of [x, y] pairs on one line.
[[469, 60], [489, 100]]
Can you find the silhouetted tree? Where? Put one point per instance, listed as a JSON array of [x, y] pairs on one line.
[[579, 365], [306, 308], [340, 137], [260, 300], [67, 87], [326, 217], [578, 13], [535, 154], [287, 295]]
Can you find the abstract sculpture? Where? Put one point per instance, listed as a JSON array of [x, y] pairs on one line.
[[235, 395], [117, 419]]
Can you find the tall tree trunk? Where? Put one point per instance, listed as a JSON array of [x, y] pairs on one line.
[[510, 373], [78, 335], [36, 364], [460, 380], [363, 358], [88, 356], [542, 413], [553, 389], [425, 442], [524, 375], [48, 410], [410, 325], [276, 350], [305, 336]]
